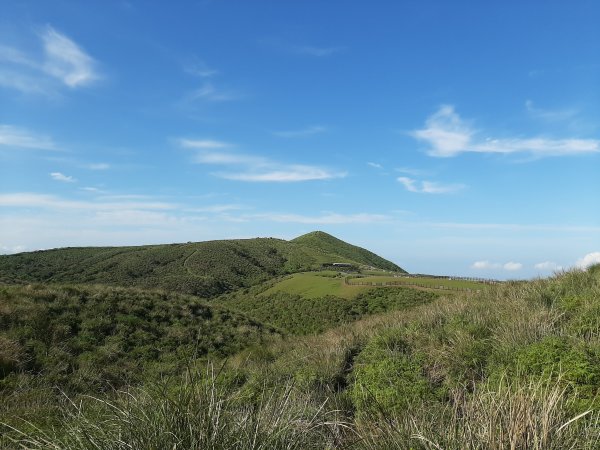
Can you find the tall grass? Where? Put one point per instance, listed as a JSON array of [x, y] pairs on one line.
[[205, 411], [514, 367]]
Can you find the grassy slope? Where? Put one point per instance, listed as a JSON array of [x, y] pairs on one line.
[[515, 366], [315, 285], [84, 338], [330, 244], [204, 268], [421, 281]]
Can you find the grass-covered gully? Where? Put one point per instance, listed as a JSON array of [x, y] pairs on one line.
[[514, 366]]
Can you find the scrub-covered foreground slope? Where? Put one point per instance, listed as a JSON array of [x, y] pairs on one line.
[[201, 268]]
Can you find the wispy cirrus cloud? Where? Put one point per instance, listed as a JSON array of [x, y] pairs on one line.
[[98, 166], [318, 51], [304, 132], [66, 60], [448, 135], [322, 219], [16, 137], [199, 68], [58, 176], [203, 144], [429, 187], [62, 60], [210, 93], [55, 203], [251, 168]]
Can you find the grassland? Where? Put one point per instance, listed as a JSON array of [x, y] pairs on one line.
[[315, 285], [514, 366], [429, 282]]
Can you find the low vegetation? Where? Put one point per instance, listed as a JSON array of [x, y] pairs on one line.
[[298, 314], [279, 359]]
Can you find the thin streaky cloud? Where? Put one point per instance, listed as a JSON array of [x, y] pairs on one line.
[[61, 62], [309, 131], [17, 137], [323, 219], [199, 68], [209, 92], [319, 52], [375, 165], [429, 187], [58, 176], [65, 60], [52, 202], [448, 135], [251, 168], [203, 143], [550, 115], [98, 166], [285, 174]]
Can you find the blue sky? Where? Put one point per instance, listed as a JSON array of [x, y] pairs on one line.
[[450, 137]]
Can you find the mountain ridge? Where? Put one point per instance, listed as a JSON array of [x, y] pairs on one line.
[[206, 269]]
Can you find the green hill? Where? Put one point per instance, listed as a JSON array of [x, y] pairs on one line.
[[321, 241], [87, 338], [202, 268]]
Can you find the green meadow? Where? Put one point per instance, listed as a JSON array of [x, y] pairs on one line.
[[315, 285]]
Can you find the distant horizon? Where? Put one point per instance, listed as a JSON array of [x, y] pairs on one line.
[[456, 138]]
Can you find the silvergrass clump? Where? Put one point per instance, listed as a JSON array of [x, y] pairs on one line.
[[514, 414], [203, 412]]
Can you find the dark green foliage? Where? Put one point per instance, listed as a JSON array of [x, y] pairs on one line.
[[205, 269], [388, 376], [330, 244], [299, 315], [86, 338]]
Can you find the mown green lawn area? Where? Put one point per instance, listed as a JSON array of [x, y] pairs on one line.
[[316, 284], [421, 281]]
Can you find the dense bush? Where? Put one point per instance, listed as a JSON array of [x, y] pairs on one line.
[[299, 315]]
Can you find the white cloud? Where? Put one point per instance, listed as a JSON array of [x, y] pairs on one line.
[[200, 69], [12, 136], [61, 177], [203, 143], [210, 93], [550, 115], [512, 266], [66, 61], [429, 187], [309, 131], [62, 61], [317, 51], [484, 265], [51, 202], [287, 173], [252, 168], [98, 166], [375, 165], [547, 266], [488, 265], [448, 135], [324, 219], [588, 260], [11, 249]]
